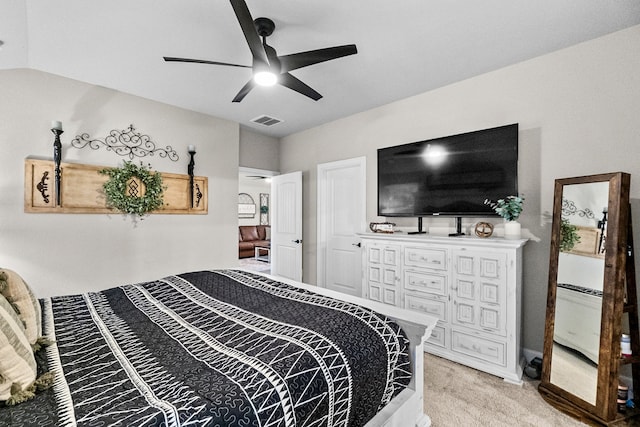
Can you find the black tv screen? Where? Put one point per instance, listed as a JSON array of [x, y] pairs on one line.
[[449, 176]]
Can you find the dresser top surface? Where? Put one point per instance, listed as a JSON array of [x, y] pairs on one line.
[[500, 242]]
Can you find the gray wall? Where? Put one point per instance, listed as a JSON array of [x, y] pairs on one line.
[[69, 253], [578, 115], [259, 151]]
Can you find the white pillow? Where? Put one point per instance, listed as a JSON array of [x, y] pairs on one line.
[[18, 367], [21, 297]]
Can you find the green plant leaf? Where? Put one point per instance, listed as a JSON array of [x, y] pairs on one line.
[[115, 189]]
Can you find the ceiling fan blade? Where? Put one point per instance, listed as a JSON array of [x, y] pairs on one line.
[[293, 83], [202, 61], [249, 30], [303, 59], [244, 91]]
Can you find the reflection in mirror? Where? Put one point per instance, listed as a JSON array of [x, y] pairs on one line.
[[576, 338]]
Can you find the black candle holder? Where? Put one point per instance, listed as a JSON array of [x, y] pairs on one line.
[[192, 152], [602, 225], [57, 158]]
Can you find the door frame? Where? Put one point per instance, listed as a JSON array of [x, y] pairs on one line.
[[264, 172], [323, 215]]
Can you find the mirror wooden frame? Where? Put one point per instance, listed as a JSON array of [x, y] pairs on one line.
[[614, 287]]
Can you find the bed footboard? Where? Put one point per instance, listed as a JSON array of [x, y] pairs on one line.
[[407, 408]]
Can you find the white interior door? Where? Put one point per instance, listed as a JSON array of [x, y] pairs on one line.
[[341, 214], [286, 225]]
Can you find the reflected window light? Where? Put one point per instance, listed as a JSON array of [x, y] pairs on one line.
[[434, 155]]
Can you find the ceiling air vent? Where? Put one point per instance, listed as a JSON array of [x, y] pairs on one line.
[[266, 120]]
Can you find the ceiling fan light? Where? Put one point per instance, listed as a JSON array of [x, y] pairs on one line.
[[265, 78]]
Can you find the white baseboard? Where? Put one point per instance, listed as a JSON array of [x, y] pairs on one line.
[[530, 354]]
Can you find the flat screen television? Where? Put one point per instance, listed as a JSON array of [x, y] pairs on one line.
[[449, 176]]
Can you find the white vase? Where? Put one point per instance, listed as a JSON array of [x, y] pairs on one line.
[[512, 230]]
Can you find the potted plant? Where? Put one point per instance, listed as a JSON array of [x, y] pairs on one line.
[[568, 235], [509, 209]]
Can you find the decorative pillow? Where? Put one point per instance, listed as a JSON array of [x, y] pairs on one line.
[[261, 232], [249, 233], [18, 293], [17, 364]]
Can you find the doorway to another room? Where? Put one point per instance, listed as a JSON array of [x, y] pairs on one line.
[[270, 222], [254, 219]]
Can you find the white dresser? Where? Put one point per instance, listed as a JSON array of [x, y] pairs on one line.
[[472, 285]]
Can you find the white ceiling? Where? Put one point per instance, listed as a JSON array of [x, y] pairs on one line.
[[405, 47]]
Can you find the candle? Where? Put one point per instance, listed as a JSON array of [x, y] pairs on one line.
[[56, 124], [191, 148]]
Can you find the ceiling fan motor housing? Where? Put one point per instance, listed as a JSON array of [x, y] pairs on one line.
[[264, 26]]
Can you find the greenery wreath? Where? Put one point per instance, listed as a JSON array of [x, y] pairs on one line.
[[116, 189]]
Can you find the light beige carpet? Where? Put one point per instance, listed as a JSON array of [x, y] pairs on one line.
[[456, 395], [255, 265]]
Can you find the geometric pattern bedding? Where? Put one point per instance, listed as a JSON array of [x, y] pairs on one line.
[[581, 289], [214, 348]]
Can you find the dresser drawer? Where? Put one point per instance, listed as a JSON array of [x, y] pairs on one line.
[[425, 282], [480, 348], [430, 306], [438, 336], [424, 257]]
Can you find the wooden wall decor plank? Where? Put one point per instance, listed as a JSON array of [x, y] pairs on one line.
[[81, 190]]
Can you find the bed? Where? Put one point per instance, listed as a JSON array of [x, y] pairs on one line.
[[227, 348]]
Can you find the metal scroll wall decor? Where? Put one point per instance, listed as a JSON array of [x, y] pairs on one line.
[[198, 195], [569, 208], [264, 208], [42, 186], [127, 142]]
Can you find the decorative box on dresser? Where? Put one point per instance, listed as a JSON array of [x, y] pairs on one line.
[[472, 285]]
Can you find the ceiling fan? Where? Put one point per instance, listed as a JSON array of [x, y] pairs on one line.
[[269, 68]]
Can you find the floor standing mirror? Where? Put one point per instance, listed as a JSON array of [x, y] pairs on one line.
[[591, 290]]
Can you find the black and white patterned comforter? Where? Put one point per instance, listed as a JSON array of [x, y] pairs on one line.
[[221, 348]]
